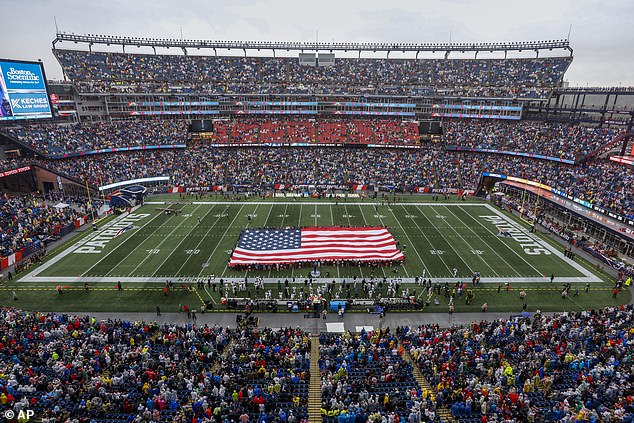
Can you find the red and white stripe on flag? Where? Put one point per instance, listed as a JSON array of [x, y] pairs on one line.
[[359, 187], [175, 190], [320, 244]]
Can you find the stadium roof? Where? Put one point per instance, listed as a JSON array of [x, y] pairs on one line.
[[92, 39]]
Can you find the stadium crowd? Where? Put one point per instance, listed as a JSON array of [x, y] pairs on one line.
[[574, 366], [323, 131], [567, 367], [598, 181], [116, 72], [560, 140], [364, 378], [26, 220], [57, 140], [551, 139], [68, 368]]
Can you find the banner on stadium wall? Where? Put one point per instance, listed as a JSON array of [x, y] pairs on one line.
[[119, 150], [508, 153], [628, 160], [624, 219], [282, 186], [15, 171], [452, 191]]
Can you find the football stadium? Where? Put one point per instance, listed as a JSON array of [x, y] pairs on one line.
[[308, 231]]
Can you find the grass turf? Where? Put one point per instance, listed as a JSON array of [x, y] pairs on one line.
[[437, 238]]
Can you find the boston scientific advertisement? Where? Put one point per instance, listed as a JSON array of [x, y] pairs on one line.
[[23, 93]]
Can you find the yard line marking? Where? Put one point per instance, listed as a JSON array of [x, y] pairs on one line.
[[406, 235], [332, 223], [485, 242], [349, 225], [268, 216], [366, 222], [246, 272], [253, 215], [445, 239], [284, 216], [222, 238], [224, 270], [199, 297], [266, 224], [210, 296], [548, 246], [128, 239], [318, 203], [514, 252], [163, 279], [299, 225], [157, 246], [197, 245], [453, 228], [299, 221], [347, 214]]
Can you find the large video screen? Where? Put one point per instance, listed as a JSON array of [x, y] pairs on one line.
[[23, 93]]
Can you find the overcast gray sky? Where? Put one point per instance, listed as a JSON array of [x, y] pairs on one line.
[[602, 31]]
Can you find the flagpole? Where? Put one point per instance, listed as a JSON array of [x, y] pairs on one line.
[[539, 190], [92, 210], [103, 195]]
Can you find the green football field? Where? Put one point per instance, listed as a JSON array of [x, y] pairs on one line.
[[445, 240]]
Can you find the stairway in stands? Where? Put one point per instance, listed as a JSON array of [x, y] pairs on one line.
[[223, 357], [444, 413], [314, 389]]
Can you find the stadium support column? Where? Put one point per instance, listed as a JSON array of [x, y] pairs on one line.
[[626, 139], [604, 109]]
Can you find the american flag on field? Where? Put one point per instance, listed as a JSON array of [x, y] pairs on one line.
[[278, 246]]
